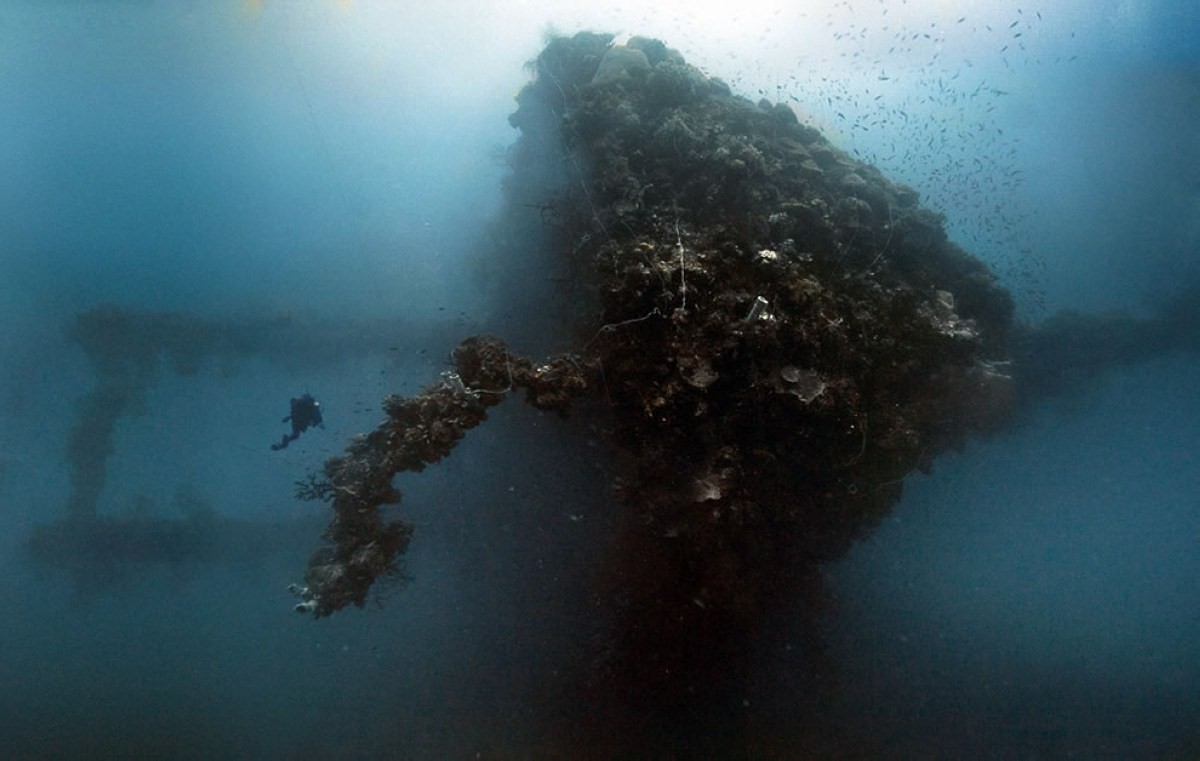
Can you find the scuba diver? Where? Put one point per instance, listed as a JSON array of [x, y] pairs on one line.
[[306, 413]]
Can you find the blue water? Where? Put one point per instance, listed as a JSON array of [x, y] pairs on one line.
[[1037, 596]]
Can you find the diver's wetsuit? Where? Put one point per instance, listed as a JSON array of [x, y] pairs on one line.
[[306, 413]]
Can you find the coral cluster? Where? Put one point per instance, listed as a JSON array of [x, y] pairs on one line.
[[788, 332], [418, 431], [777, 332]]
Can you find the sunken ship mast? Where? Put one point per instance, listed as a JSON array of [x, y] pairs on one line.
[[778, 333], [775, 332]]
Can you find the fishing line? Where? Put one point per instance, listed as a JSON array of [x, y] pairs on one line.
[[312, 115]]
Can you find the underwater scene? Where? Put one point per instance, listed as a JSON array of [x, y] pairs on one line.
[[577, 380]]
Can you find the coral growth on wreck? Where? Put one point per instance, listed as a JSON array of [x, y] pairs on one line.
[[776, 333]]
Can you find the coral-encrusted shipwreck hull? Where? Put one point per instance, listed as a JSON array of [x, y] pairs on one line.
[[778, 332]]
